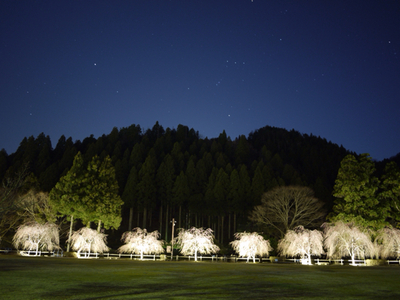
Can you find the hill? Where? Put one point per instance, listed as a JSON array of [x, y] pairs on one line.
[[201, 182]]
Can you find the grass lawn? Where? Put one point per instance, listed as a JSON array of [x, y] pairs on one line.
[[71, 278]]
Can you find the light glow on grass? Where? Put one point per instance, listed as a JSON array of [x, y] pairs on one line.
[[66, 278]]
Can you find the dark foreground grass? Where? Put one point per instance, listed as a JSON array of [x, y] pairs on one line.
[[71, 278]]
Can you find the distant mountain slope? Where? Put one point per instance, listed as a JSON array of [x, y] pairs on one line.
[[189, 174]]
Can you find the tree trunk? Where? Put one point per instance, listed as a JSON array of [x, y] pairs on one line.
[[160, 219], [222, 229], [70, 232], [218, 229], [144, 217], [130, 219], [229, 226], [99, 226], [172, 237], [150, 217], [353, 262], [166, 224], [180, 216], [138, 219], [215, 229], [234, 222]]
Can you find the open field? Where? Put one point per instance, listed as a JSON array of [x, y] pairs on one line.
[[71, 278]]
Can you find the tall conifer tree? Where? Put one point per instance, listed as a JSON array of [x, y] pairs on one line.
[[67, 195], [356, 192], [147, 187], [129, 196], [102, 193]]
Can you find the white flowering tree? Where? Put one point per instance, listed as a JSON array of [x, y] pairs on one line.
[[37, 237], [196, 240], [141, 242], [88, 240], [347, 239], [303, 242], [251, 244], [388, 240]]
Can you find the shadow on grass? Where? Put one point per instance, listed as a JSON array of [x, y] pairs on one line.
[[69, 278]]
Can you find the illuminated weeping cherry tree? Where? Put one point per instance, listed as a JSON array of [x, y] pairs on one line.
[[301, 241], [196, 240], [140, 241], [347, 239], [388, 240], [37, 237], [251, 244], [88, 240]]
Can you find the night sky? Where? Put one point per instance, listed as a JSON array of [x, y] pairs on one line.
[[76, 68]]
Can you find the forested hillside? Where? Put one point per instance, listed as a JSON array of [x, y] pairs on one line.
[[174, 173]]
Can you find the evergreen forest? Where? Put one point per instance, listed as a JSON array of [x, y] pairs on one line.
[[175, 173]]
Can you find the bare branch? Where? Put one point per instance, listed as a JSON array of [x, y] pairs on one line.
[[285, 208], [11, 187], [35, 206]]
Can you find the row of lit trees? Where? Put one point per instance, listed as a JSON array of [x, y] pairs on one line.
[[364, 217], [90, 193], [201, 194], [39, 237], [339, 240], [360, 198]]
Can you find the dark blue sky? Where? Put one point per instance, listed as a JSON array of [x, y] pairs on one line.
[[330, 68]]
